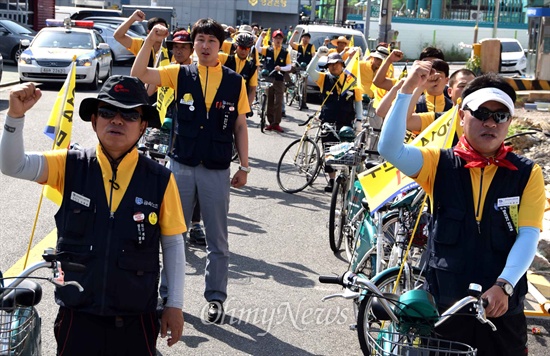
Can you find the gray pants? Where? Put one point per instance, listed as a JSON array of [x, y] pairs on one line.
[[211, 186]]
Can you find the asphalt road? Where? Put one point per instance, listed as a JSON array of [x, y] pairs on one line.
[[279, 247]]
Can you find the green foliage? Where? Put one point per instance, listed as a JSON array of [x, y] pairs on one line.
[[455, 54], [474, 64]]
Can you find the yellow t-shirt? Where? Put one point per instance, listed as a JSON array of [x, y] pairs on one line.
[[210, 78], [358, 95], [379, 93], [170, 216], [435, 103], [136, 45], [252, 81], [367, 76], [532, 202], [226, 46]]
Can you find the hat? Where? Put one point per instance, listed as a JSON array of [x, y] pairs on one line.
[[123, 92], [245, 29], [277, 33], [339, 39], [381, 53], [475, 99], [179, 37], [334, 58]]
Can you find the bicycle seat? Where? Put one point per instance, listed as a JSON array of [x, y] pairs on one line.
[[26, 294]]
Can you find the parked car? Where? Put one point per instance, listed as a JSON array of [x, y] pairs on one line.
[[513, 59], [49, 55], [1, 66], [319, 33], [118, 51], [80, 13], [137, 27], [11, 34]]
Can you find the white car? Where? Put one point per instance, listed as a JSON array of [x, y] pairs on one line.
[[49, 55], [512, 57]]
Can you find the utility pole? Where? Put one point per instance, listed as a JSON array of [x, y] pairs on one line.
[[339, 12], [495, 18], [476, 28], [312, 14], [385, 21]]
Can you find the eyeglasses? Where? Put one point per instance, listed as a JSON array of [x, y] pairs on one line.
[[483, 114], [109, 112]]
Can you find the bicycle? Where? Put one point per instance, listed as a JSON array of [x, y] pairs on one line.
[[20, 325], [301, 161], [349, 165], [298, 85], [404, 324]]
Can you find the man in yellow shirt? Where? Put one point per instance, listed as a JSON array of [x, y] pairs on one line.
[[212, 107], [277, 60], [119, 209], [488, 205], [368, 68]]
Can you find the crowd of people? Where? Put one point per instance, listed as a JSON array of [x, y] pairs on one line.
[[110, 189]]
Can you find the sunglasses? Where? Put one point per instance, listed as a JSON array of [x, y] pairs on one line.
[[484, 114], [243, 48], [109, 112]]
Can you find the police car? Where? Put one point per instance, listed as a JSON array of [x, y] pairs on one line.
[[49, 55]]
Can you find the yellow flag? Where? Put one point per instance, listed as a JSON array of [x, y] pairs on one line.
[[383, 182], [265, 43], [165, 95], [367, 52], [60, 124], [351, 42], [404, 72], [353, 74]]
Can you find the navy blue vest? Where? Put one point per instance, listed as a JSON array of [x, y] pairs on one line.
[[246, 72], [461, 252], [206, 137], [122, 274], [304, 57], [422, 106], [338, 108], [271, 62]]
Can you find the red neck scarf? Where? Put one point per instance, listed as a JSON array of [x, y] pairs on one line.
[[475, 159]]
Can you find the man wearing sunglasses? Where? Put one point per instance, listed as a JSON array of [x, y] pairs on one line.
[[488, 205], [119, 209]]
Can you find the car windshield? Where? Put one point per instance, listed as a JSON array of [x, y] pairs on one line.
[[17, 28], [56, 39], [511, 47]]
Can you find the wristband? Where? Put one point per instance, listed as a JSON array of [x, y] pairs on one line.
[[245, 169]]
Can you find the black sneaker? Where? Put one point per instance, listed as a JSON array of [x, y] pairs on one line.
[[197, 236], [216, 313], [329, 186], [284, 114]]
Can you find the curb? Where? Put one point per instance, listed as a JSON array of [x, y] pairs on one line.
[[5, 84]]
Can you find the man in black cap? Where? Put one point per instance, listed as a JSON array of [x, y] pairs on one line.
[[119, 208], [342, 106]]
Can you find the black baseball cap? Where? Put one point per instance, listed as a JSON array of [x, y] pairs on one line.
[[124, 92]]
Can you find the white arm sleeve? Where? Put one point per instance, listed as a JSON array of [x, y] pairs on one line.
[[312, 69], [14, 161], [173, 259]]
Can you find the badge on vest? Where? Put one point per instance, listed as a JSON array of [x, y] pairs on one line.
[[153, 218], [187, 100], [80, 199]]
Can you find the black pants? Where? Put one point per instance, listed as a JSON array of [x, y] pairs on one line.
[[510, 339], [82, 334]]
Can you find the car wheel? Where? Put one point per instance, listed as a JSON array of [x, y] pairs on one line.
[[16, 53], [95, 82], [109, 72]]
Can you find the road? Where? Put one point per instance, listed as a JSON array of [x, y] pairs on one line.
[[279, 247]]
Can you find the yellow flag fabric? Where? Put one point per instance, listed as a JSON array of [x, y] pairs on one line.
[[265, 43], [60, 124], [165, 95], [353, 74], [404, 72], [383, 182], [351, 42]]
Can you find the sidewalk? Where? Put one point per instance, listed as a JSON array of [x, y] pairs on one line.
[[9, 75]]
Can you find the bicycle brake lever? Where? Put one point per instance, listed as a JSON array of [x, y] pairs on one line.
[[483, 320], [347, 294], [64, 284]]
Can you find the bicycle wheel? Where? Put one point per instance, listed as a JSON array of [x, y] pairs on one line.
[[369, 324], [290, 94], [263, 111], [298, 165], [337, 214]]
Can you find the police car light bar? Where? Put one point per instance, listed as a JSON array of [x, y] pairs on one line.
[[68, 23]]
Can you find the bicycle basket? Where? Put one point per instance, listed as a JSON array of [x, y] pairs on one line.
[[341, 154], [385, 342], [17, 330]]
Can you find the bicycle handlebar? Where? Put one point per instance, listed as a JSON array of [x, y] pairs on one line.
[[309, 117], [331, 279]]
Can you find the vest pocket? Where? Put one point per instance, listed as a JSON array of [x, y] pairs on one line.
[[136, 289], [76, 223], [70, 296], [221, 148], [448, 226]]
